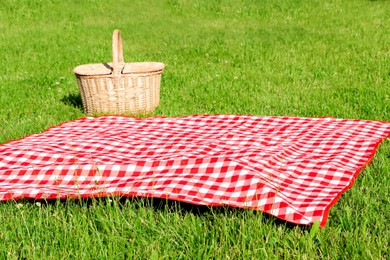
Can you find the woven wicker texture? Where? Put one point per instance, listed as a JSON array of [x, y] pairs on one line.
[[119, 87]]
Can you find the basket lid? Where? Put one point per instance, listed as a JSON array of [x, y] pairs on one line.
[[93, 69], [99, 69], [142, 67]]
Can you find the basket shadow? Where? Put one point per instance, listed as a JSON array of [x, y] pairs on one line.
[[73, 100]]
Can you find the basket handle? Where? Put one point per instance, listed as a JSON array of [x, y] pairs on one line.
[[117, 52]]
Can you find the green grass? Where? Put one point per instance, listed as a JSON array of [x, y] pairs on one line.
[[298, 58]]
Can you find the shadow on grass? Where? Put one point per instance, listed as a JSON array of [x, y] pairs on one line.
[[161, 205], [73, 100]]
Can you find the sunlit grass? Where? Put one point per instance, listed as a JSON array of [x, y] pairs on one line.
[[297, 58]]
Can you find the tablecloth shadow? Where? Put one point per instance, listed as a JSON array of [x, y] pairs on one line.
[[73, 100], [167, 205], [198, 210]]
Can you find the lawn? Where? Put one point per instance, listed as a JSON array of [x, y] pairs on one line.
[[296, 58]]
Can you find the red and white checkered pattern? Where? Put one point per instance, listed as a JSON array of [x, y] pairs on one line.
[[292, 168]]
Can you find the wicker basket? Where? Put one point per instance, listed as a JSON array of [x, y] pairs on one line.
[[119, 87]]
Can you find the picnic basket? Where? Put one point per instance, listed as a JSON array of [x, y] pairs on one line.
[[118, 87]]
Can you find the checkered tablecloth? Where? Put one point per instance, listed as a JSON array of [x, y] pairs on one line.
[[292, 168]]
